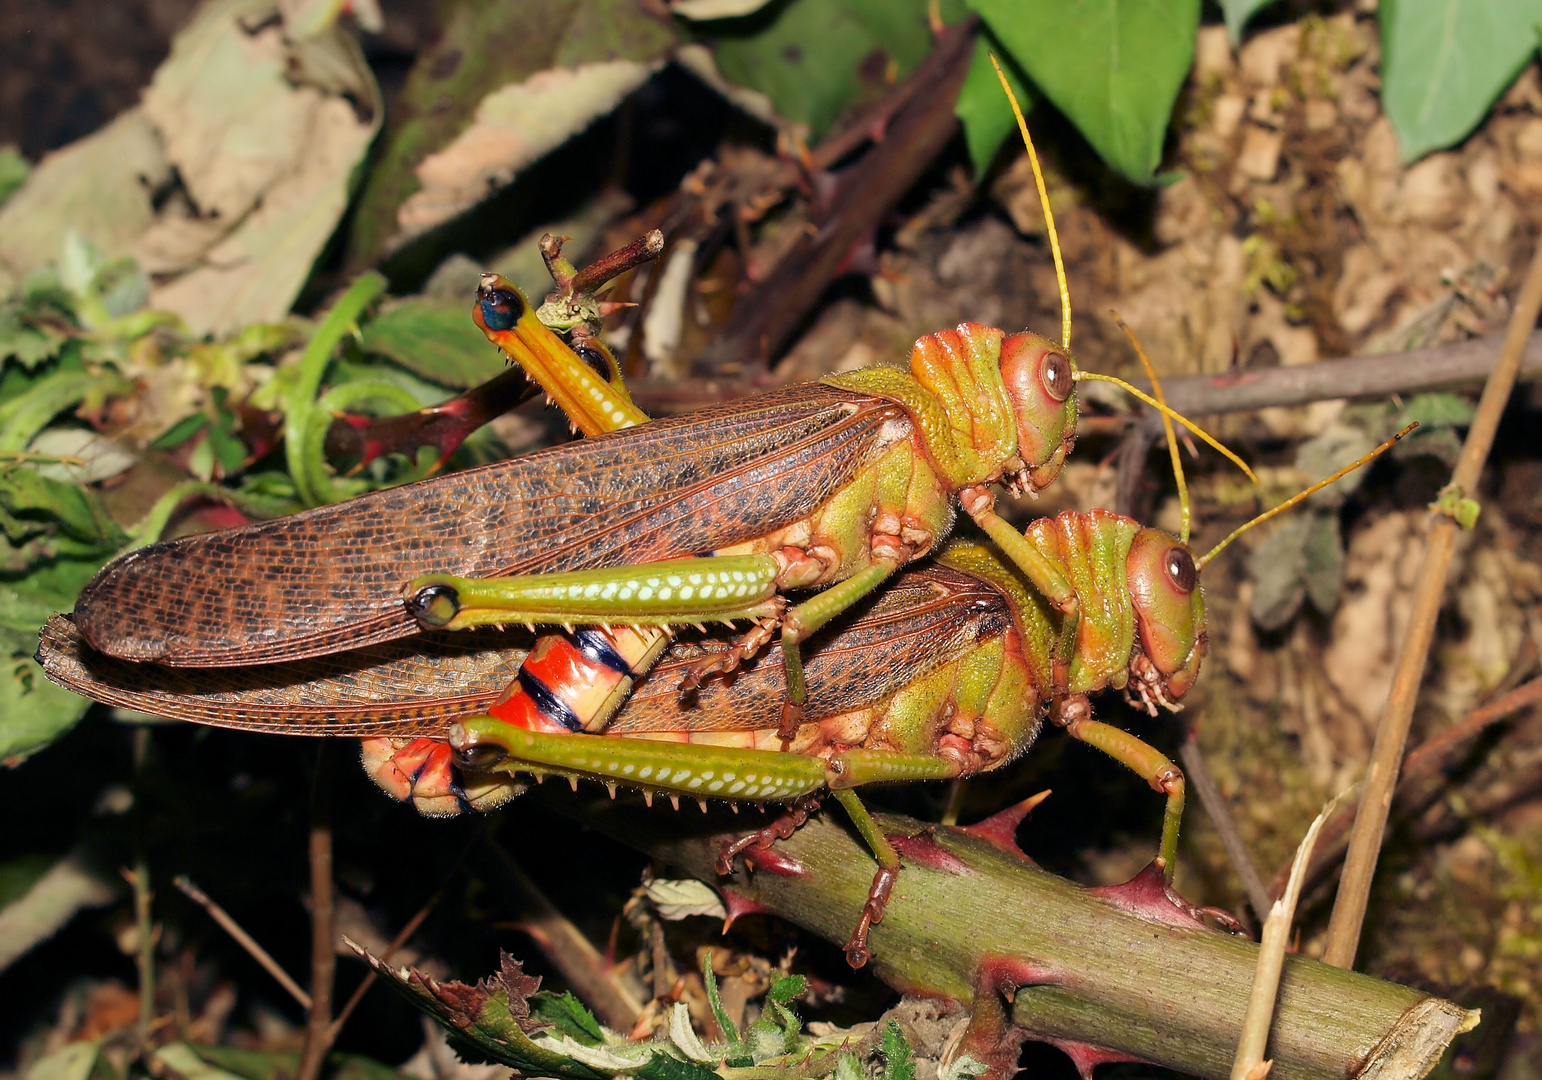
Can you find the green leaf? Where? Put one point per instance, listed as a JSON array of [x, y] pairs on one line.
[[20, 874], [568, 1015], [77, 510], [982, 105], [1322, 570], [13, 171], [816, 58], [41, 906], [1432, 410], [483, 1022], [1114, 67], [183, 430], [725, 1022], [28, 345], [1277, 567], [33, 711], [26, 414], [664, 1067], [896, 1055], [188, 1064], [1237, 13], [435, 340], [251, 1064], [1329, 451], [73, 1061], [359, 1067], [1444, 62]]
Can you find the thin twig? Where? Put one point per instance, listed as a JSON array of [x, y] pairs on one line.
[[318, 1026], [242, 938], [1210, 797], [764, 317], [369, 979], [1392, 732], [139, 879], [1249, 1064], [1349, 377], [1422, 762]]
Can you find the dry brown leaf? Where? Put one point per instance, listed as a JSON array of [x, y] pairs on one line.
[[231, 123], [514, 125], [100, 186], [254, 274]]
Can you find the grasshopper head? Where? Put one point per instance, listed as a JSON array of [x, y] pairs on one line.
[[1169, 616], [1040, 381]]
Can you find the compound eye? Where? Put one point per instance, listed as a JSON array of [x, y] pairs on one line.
[[1056, 376], [501, 308], [1181, 570]]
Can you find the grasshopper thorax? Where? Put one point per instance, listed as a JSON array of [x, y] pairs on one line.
[[1040, 383], [1009, 401], [1169, 617]]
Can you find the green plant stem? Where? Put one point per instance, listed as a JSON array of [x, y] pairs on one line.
[[313, 366], [1086, 971]]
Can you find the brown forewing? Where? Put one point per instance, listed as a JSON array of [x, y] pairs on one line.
[[331, 578]]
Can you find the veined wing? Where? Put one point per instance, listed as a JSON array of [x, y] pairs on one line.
[[331, 578]]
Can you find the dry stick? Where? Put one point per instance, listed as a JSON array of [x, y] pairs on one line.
[[1392, 732], [318, 1026], [369, 979], [1210, 797], [1421, 762], [1249, 1064], [139, 879], [568, 949], [242, 938]]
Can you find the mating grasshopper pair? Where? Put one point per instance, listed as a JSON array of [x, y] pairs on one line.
[[836, 484], [986, 655]]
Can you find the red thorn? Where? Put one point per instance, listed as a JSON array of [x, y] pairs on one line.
[[1087, 1057], [922, 849], [1148, 895], [1000, 829], [737, 904]]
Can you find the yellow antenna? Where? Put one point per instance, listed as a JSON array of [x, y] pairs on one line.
[[1065, 291], [1167, 426], [1049, 217], [1140, 394], [1294, 499]]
